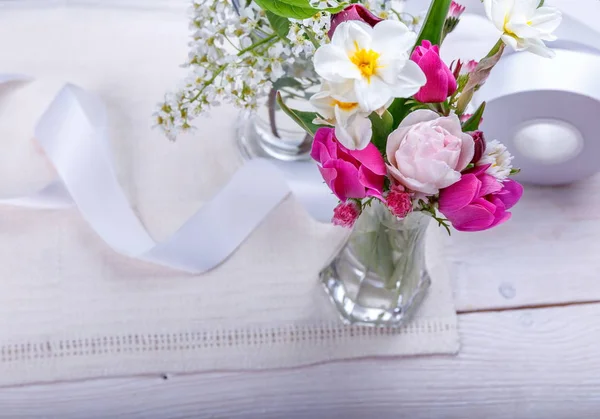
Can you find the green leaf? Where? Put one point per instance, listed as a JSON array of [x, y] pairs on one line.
[[382, 128], [294, 9], [281, 25], [472, 124], [399, 109], [291, 9], [302, 118], [433, 27]]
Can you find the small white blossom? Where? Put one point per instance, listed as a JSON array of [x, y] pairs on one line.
[[500, 159]]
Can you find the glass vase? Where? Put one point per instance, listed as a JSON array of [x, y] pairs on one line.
[[270, 133], [379, 277]]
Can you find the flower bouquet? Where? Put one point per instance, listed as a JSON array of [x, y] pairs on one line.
[[393, 130]]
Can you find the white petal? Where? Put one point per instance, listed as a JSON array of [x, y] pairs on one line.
[[511, 42], [333, 64], [537, 46], [409, 81], [391, 37], [342, 116], [322, 102], [355, 133], [497, 10], [525, 7], [343, 92], [351, 34], [546, 19], [372, 94]]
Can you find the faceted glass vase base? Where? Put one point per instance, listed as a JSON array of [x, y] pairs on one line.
[[355, 312], [379, 276]]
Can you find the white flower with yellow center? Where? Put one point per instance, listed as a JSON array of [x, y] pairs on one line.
[[338, 107], [373, 62], [524, 26]]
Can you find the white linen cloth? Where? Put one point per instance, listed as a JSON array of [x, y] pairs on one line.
[[70, 308]]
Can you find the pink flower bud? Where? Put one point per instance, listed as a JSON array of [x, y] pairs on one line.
[[440, 80], [456, 10], [353, 12], [480, 145], [399, 202], [470, 67], [346, 214]]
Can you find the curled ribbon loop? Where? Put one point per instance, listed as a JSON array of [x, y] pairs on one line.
[[72, 133]]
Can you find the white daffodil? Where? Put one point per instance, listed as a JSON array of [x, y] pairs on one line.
[[524, 26], [338, 107], [374, 62]]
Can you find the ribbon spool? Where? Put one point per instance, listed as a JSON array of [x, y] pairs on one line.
[[547, 112]]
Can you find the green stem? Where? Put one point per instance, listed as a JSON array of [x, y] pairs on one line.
[[495, 48], [257, 44]]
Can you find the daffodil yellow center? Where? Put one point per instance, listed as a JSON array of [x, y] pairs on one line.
[[506, 29], [366, 61], [345, 106]]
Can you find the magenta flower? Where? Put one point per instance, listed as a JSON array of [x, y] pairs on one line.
[[456, 10], [479, 201], [399, 202], [441, 83], [353, 12], [346, 214], [348, 173]]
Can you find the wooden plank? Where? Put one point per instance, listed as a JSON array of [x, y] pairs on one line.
[[540, 363], [546, 255]]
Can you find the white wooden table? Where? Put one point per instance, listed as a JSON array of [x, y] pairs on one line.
[[529, 324], [529, 304]]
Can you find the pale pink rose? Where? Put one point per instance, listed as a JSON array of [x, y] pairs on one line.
[[346, 214], [399, 202], [427, 152]]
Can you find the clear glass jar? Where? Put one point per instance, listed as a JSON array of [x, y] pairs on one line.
[[379, 277]]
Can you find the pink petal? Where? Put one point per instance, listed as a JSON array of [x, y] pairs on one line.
[[371, 181], [511, 194], [489, 185], [462, 193], [472, 218], [346, 183], [371, 158]]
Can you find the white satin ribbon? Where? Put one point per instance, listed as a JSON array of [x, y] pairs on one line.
[[72, 133]]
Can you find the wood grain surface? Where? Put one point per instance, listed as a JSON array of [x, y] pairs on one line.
[[537, 363]]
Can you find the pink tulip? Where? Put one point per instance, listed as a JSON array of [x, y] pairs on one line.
[[440, 80], [348, 173], [346, 214], [479, 201], [353, 12]]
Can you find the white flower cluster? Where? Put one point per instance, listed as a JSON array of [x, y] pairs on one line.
[[234, 57], [306, 35]]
